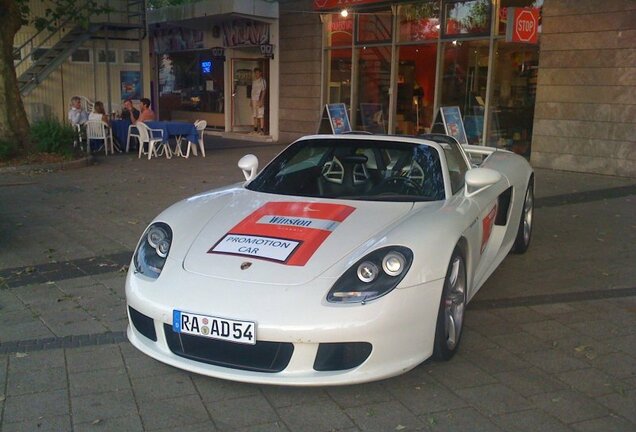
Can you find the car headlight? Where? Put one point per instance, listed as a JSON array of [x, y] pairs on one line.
[[153, 250], [373, 276]]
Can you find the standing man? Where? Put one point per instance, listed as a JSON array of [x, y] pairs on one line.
[[257, 101], [76, 114]]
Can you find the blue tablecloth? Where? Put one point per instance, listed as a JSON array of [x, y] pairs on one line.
[[173, 128], [169, 128]]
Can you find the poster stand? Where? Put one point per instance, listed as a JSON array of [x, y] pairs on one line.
[[334, 120], [449, 121]]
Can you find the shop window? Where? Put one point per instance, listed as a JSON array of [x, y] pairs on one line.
[[81, 55], [338, 30], [511, 113], [374, 27], [338, 62], [465, 71], [131, 56], [101, 56], [374, 82], [415, 88], [419, 22], [190, 81], [466, 18]]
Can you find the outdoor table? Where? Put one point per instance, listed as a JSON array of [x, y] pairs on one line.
[[120, 131], [169, 128]]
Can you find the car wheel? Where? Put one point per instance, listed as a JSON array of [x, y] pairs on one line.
[[450, 318], [524, 232]]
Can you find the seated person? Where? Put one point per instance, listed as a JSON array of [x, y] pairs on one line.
[[77, 115], [99, 113], [147, 114], [129, 112]]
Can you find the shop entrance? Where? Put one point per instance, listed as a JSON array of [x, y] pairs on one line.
[[242, 76]]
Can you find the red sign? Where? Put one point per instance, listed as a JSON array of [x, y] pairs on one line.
[[341, 4], [524, 25]]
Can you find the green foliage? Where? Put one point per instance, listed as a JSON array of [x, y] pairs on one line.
[[7, 149], [52, 136]]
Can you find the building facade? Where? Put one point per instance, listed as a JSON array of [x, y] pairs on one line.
[[566, 102]]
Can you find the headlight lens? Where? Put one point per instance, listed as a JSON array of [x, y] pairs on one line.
[[153, 250], [365, 281]]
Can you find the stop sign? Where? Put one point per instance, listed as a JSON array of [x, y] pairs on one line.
[[523, 25]]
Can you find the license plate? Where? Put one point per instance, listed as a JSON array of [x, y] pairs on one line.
[[214, 327]]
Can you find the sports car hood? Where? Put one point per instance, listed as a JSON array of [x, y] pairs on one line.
[[265, 238]]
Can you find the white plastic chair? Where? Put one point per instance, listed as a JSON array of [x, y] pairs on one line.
[[99, 131], [132, 134], [146, 136], [200, 125]]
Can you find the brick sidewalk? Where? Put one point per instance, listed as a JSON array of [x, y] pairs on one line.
[[549, 343]]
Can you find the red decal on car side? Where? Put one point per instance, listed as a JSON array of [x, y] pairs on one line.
[[486, 226]]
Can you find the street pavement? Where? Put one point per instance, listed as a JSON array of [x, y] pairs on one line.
[[549, 343]]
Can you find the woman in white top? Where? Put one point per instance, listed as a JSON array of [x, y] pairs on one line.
[[99, 113]]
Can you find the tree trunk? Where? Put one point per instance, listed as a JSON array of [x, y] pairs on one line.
[[14, 126]]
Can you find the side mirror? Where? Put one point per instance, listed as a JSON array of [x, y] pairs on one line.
[[478, 179], [249, 165]]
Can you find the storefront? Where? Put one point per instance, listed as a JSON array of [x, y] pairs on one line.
[[203, 63], [394, 64]]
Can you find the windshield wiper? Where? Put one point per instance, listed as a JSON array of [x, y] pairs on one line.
[[387, 198]]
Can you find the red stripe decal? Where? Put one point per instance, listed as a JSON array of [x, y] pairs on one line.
[[287, 232], [487, 225]]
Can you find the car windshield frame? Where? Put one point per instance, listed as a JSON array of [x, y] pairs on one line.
[[355, 168]]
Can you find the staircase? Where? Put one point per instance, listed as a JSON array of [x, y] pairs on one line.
[[126, 20]]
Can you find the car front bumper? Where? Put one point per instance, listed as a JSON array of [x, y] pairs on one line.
[[400, 327]]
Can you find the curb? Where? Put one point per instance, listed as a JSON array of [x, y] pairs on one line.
[[65, 165]]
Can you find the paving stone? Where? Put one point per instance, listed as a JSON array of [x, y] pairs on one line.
[[494, 399], [36, 381], [119, 424], [212, 389], [242, 412], [583, 347], [531, 381], [9, 302], [29, 407], [93, 358], [386, 416], [495, 360], [322, 416], [199, 427], [519, 314], [98, 381], [457, 374], [35, 361], [592, 382], [464, 419], [357, 395], [626, 344], [473, 340], [24, 331], [600, 329], [553, 310], [279, 396], [52, 319], [103, 406], [184, 410], [267, 427], [521, 342], [89, 326], [569, 406], [40, 424], [623, 403], [617, 364], [423, 399], [145, 366], [4, 370], [163, 386], [529, 421], [547, 330], [605, 424], [554, 361]]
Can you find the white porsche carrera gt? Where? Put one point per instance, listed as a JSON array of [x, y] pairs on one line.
[[349, 258]]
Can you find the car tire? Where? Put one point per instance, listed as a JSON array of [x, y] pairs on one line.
[[524, 232], [450, 317]]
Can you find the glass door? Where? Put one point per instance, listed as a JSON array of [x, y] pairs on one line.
[[242, 75]]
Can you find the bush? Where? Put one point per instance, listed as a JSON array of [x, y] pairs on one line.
[[7, 149], [52, 136]]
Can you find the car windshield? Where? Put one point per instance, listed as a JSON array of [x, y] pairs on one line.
[[371, 170]]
